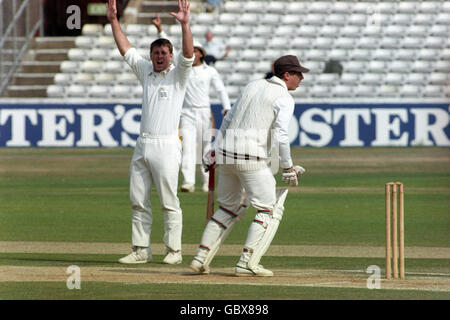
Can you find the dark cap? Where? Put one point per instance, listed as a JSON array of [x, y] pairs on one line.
[[288, 63]]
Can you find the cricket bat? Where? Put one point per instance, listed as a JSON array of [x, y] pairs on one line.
[[210, 203]]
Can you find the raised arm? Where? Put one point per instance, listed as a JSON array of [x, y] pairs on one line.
[[183, 17], [121, 39]]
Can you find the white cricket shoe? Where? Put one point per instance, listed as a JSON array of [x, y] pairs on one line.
[[139, 255], [187, 187], [173, 257], [205, 187], [198, 267], [243, 270]]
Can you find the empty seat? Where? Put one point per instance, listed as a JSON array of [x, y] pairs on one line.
[[106, 42], [349, 78], [406, 7], [371, 78], [250, 55], [439, 78], [388, 90], [365, 91], [434, 42], [360, 54], [314, 19], [319, 7], [238, 79], [402, 19], [271, 54], [97, 54], [263, 66], [319, 91], [344, 43], [92, 29], [237, 42], [275, 7], [417, 31], [77, 91], [323, 42], [357, 19], [393, 78], [233, 6], [315, 54], [77, 54], [383, 54], [338, 54], [105, 78], [404, 54], [441, 66], [327, 78], [70, 66], [228, 18], [394, 31], [83, 78], [342, 91], [55, 91], [421, 66], [121, 91], [263, 30], [367, 43], [224, 66], [423, 19], [399, 66], [92, 66], [114, 66], [254, 7], [297, 7], [328, 31], [99, 91], [408, 90], [389, 43], [415, 78], [433, 91], [428, 54], [341, 7], [337, 19], [241, 30], [270, 19], [307, 31], [133, 29], [412, 42], [85, 41], [428, 7], [223, 30], [114, 54], [278, 42], [355, 66], [126, 78], [249, 19], [284, 30], [291, 19], [204, 18], [137, 92], [257, 43], [350, 31], [62, 78]]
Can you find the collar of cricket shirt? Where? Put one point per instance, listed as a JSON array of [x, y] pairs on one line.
[[278, 81], [163, 73]]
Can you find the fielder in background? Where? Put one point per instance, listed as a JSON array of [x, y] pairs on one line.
[[254, 129], [157, 156], [195, 124]]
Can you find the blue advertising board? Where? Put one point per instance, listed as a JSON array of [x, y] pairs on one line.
[[315, 125]]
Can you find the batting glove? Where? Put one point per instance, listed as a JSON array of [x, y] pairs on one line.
[[290, 175], [209, 160]]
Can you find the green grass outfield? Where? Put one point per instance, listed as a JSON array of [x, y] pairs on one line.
[[81, 195]]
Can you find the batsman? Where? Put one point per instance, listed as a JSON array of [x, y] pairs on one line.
[[253, 135]]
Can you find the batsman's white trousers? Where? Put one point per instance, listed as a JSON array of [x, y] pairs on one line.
[[195, 128], [156, 161], [260, 186]]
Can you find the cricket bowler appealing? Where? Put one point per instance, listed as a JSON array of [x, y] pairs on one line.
[[157, 155], [258, 121]]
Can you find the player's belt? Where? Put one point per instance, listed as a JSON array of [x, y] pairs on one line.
[[239, 156]]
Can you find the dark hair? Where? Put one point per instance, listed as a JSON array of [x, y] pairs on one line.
[[161, 42]]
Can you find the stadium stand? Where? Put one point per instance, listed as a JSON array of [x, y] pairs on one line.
[[388, 49]]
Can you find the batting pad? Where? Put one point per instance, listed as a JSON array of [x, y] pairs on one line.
[[271, 229]]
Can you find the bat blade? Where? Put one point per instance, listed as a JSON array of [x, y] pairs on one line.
[[210, 203]]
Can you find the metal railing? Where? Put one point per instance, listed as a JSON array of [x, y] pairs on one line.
[[19, 22]]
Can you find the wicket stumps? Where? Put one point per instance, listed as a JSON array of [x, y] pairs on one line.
[[394, 205]]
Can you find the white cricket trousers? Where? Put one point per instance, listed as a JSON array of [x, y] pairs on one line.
[[195, 128], [260, 186], [156, 161]]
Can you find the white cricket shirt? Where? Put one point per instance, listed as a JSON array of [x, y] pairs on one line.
[[199, 84], [163, 93]]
